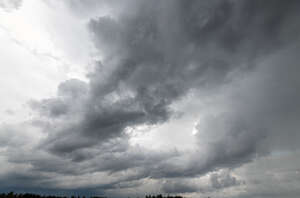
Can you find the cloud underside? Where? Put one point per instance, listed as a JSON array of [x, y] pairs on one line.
[[240, 56]]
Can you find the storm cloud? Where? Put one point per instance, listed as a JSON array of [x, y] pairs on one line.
[[238, 58], [147, 66]]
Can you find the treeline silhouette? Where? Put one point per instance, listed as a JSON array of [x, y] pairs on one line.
[[161, 196], [30, 195]]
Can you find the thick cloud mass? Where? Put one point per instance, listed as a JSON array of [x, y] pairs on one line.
[[147, 66], [239, 57]]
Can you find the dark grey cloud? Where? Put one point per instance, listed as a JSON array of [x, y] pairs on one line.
[[154, 54], [69, 93], [259, 116], [23, 180], [217, 181], [179, 187]]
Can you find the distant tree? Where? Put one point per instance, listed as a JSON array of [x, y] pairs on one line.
[[10, 195]]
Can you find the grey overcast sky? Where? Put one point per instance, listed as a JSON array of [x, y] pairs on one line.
[[123, 98]]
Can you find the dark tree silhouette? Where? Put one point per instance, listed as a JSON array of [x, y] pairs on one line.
[[29, 195]]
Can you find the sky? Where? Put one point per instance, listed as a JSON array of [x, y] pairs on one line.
[[122, 98]]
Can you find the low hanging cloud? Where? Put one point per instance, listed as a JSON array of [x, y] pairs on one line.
[[153, 55], [216, 181]]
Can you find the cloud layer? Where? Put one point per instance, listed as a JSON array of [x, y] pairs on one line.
[[239, 59]]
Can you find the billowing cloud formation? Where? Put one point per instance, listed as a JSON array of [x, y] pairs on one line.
[[240, 57], [216, 181], [148, 66]]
